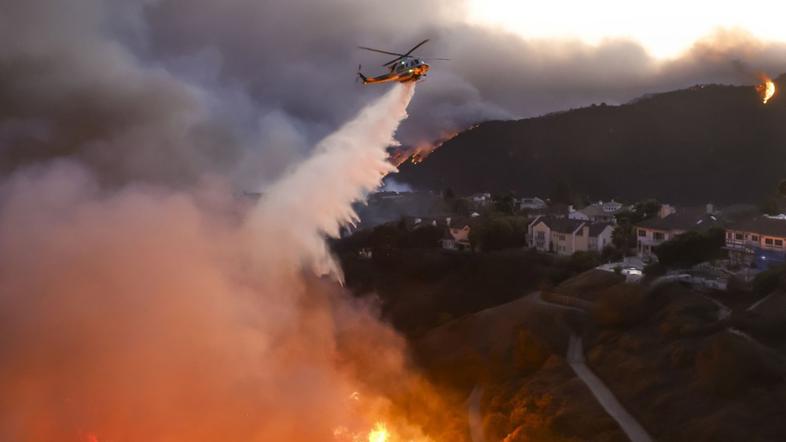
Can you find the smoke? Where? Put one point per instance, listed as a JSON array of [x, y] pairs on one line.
[[147, 313]]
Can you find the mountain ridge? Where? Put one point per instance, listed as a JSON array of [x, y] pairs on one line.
[[715, 143]]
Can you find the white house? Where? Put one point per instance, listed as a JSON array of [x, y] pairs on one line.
[[600, 212], [568, 236], [532, 204], [599, 236]]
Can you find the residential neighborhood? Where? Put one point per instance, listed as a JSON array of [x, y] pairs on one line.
[[750, 242]]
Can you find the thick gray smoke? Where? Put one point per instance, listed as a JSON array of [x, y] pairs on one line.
[[169, 91], [150, 314]]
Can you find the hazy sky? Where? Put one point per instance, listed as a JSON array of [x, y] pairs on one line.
[[169, 90], [665, 28]]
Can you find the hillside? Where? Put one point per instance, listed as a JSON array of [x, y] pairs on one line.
[[689, 146]]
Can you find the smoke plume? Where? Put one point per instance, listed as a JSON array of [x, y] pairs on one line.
[[152, 314]]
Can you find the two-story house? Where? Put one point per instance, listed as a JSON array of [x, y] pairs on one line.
[[758, 241], [653, 232], [566, 236], [599, 236]]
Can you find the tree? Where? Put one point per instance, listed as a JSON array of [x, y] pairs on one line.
[[448, 194], [624, 235], [646, 209], [505, 203], [782, 188], [691, 248], [498, 233]]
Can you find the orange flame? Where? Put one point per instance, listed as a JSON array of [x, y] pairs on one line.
[[420, 151], [766, 89], [379, 433]]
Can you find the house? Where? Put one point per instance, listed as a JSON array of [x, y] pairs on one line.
[[532, 204], [457, 236], [600, 212], [599, 236], [539, 234], [653, 232], [481, 200], [567, 236], [758, 241]]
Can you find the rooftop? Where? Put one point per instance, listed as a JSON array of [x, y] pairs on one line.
[[683, 221], [763, 225]]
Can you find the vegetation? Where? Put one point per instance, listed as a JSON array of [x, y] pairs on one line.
[[499, 232], [504, 203], [691, 248], [770, 280], [621, 305], [707, 141], [624, 235]]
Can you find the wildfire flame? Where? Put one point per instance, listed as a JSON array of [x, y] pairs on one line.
[[379, 433], [766, 89], [420, 151]]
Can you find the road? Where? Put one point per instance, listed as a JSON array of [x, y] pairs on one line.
[[602, 394]]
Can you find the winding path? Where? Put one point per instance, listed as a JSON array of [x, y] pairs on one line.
[[602, 394], [575, 357]]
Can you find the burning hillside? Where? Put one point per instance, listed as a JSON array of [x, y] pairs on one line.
[[420, 151]]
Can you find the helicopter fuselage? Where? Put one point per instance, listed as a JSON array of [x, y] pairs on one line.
[[404, 71]]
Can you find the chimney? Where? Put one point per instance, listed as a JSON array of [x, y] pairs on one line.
[[710, 209]]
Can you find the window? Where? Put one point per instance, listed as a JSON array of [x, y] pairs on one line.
[[659, 236], [768, 241], [755, 238], [778, 243], [739, 236], [541, 235], [642, 233]]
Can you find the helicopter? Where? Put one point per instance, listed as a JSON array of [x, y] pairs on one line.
[[404, 68]]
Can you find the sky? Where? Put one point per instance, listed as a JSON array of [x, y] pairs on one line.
[[174, 91], [666, 28]]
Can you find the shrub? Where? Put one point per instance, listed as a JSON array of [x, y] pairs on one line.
[[529, 352], [691, 248], [769, 280], [654, 270], [621, 305]]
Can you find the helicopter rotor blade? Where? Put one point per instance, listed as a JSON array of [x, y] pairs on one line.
[[416, 46], [436, 59], [393, 61], [381, 51]]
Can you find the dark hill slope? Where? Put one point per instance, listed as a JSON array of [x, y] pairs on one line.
[[689, 146]]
